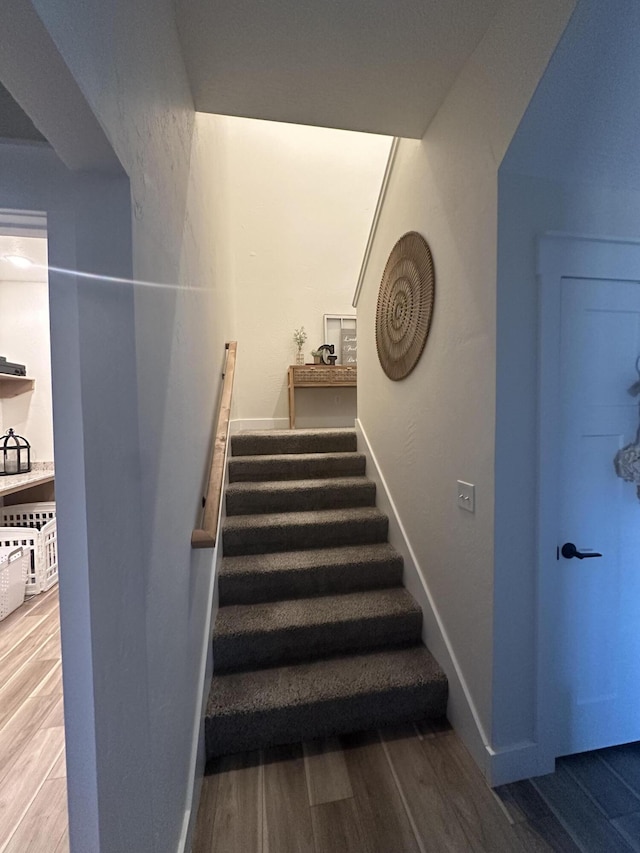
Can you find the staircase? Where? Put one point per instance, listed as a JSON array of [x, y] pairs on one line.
[[315, 634]]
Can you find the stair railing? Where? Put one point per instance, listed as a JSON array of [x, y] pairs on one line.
[[206, 535]]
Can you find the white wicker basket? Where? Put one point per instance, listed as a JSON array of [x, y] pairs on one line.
[[33, 527], [14, 566], [28, 515]]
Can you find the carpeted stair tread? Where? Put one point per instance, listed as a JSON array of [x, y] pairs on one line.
[[264, 533], [294, 441], [303, 612], [324, 697], [267, 634], [295, 466], [315, 635], [254, 578], [299, 495], [322, 680]]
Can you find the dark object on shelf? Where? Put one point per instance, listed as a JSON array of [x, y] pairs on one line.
[[11, 368], [332, 359], [326, 351], [15, 454]]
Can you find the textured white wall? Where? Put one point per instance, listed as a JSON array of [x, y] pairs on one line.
[[300, 214], [24, 337], [437, 425], [33, 178], [148, 637]]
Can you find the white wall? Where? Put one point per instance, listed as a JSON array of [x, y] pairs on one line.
[[145, 362], [300, 213], [438, 425], [33, 178], [573, 166], [24, 338], [529, 206]]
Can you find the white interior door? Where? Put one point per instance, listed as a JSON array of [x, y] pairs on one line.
[[597, 631]]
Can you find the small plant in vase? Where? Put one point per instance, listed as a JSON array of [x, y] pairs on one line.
[[299, 338], [317, 356]]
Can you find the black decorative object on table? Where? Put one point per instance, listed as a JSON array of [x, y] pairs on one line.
[[326, 352], [15, 454]]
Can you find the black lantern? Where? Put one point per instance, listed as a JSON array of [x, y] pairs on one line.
[[15, 454]]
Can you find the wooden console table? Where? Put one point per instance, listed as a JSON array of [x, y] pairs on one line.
[[317, 376]]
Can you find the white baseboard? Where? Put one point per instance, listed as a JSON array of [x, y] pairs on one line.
[[328, 422], [239, 424], [184, 844], [461, 710], [518, 761]]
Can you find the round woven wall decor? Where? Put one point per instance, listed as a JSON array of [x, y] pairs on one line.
[[405, 305]]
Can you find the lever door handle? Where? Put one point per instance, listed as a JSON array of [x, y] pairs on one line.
[[569, 550]]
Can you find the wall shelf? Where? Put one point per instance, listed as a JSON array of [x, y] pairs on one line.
[[11, 386]]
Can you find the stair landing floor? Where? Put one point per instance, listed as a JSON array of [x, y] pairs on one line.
[[414, 789]]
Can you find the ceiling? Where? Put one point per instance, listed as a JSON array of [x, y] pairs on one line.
[[369, 65], [35, 74], [14, 122]]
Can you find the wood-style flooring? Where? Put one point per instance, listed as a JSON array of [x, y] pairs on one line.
[[404, 790], [414, 789], [33, 784]]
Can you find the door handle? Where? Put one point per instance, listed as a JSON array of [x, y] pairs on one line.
[[569, 550]]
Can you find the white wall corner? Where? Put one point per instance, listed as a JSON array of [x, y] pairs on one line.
[[518, 761], [461, 711], [393, 150]]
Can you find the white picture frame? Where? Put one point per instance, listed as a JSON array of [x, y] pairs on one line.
[[334, 325]]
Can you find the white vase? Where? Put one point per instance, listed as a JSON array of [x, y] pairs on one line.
[[299, 357]]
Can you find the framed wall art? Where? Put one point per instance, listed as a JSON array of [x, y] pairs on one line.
[[341, 330]]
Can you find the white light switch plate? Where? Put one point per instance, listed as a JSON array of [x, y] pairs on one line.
[[466, 496]]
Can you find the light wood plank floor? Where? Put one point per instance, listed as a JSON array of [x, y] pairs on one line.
[[414, 789], [33, 784], [403, 790]]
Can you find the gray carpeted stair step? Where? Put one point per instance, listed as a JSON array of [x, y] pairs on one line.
[[287, 531], [295, 466], [275, 633], [326, 697], [256, 578], [315, 635], [299, 495], [294, 441]]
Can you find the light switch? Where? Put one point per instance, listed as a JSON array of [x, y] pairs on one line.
[[466, 496]]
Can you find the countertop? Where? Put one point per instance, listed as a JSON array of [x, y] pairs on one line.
[[42, 472]]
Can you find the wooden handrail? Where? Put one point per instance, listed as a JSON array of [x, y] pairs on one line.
[[205, 536]]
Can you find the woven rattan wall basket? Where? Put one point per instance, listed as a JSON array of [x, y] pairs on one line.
[[405, 305]]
